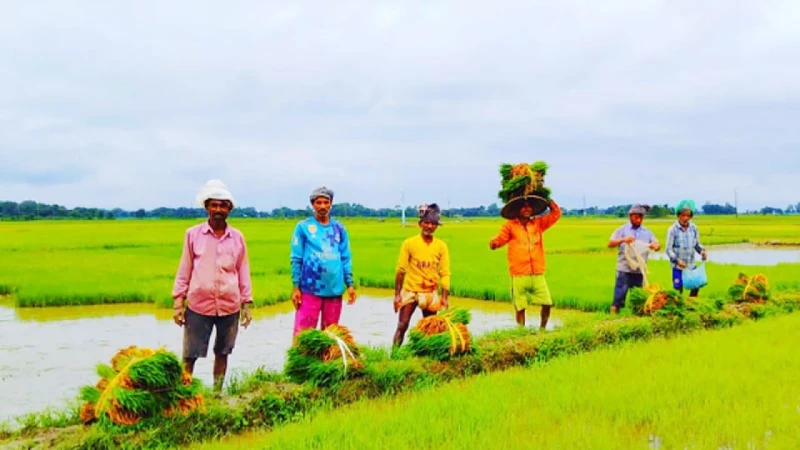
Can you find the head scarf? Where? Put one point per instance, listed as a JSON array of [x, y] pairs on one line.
[[431, 213], [685, 205], [639, 209], [321, 192], [214, 189]]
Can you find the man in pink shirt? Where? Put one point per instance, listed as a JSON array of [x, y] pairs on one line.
[[212, 287]]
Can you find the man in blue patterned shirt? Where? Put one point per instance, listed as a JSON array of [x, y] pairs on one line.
[[322, 267], [683, 241]]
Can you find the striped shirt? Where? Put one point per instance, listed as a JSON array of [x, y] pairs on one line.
[[682, 244]]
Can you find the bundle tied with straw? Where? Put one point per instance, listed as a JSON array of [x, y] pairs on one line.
[[324, 357], [653, 299], [442, 336], [751, 290], [140, 383]]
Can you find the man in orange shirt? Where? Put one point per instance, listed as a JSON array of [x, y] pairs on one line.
[[523, 234]]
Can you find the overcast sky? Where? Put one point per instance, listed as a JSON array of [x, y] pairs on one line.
[[637, 101]]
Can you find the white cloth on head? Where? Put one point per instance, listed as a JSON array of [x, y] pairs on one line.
[[214, 189]]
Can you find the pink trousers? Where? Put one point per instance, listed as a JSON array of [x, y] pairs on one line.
[[311, 307]]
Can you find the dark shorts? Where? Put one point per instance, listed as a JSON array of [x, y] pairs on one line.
[[624, 282], [677, 278], [197, 333]]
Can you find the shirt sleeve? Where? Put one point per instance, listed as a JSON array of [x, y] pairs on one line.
[[403, 259], [444, 268], [347, 259], [669, 247], [184, 275], [549, 219], [503, 236], [296, 257], [617, 234], [243, 268], [698, 246]]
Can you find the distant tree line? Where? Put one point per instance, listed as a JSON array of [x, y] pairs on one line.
[[30, 210]]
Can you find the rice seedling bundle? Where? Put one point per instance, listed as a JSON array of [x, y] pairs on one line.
[[519, 180], [324, 357], [442, 336], [140, 383], [649, 300], [752, 290]]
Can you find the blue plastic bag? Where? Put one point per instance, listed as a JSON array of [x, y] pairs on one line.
[[695, 278]]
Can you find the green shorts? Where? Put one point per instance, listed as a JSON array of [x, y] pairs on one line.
[[529, 290]]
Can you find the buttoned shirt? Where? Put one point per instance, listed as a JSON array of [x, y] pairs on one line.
[[214, 272]]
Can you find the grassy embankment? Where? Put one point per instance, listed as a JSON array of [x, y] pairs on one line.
[[736, 388]]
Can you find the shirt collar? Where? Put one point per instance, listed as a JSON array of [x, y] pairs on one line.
[[208, 230], [631, 227]]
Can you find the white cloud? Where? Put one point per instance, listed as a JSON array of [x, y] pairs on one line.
[[138, 105]]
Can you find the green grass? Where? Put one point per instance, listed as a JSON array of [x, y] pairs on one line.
[[70, 263], [736, 388], [266, 400]]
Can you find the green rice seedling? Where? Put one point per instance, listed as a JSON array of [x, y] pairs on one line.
[[619, 398], [442, 336], [324, 357]]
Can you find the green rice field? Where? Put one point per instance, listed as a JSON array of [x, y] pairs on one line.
[[90, 262], [591, 383], [730, 389]]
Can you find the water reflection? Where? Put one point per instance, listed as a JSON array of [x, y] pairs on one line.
[[748, 255], [47, 354]]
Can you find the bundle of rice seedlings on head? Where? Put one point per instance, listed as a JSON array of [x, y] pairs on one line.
[[523, 183], [442, 336], [753, 290], [519, 180], [140, 383], [324, 357]]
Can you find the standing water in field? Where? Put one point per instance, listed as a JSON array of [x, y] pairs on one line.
[[48, 354], [749, 254]]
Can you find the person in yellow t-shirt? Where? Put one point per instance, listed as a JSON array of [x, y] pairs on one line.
[[422, 268]]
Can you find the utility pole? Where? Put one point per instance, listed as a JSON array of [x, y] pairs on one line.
[[403, 208], [584, 206]]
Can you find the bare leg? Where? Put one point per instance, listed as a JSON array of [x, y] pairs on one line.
[[545, 316], [521, 317], [404, 317], [220, 367], [188, 363]]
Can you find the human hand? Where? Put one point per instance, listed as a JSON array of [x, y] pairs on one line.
[[398, 300], [704, 255], [492, 245], [247, 316], [351, 295], [654, 246], [179, 316], [296, 298], [628, 239], [681, 264]]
